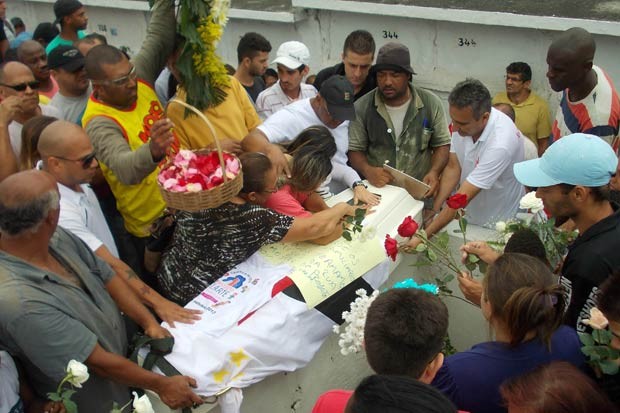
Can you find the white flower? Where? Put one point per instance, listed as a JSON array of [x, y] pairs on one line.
[[78, 372], [531, 202], [367, 234], [500, 226], [597, 319], [142, 404], [352, 337]]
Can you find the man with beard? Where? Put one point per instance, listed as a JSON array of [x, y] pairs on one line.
[[32, 54], [67, 66], [590, 103], [253, 56], [399, 122], [71, 15]]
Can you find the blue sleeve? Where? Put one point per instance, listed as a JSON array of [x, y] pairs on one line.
[[445, 382]]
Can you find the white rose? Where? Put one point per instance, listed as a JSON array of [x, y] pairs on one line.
[[500, 226], [78, 372], [597, 319], [142, 404], [531, 202]]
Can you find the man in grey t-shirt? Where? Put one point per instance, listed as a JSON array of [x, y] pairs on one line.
[[67, 66]]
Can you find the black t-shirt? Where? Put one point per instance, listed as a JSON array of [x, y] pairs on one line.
[[593, 257], [256, 88], [323, 75]]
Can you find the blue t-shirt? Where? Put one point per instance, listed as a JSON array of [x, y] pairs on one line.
[[471, 379]]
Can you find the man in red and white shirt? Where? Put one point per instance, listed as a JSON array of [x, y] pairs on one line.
[[590, 101]]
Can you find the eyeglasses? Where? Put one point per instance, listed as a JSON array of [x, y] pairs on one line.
[[86, 160], [34, 85], [121, 81]]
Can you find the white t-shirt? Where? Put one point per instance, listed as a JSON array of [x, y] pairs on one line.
[[81, 214], [286, 124], [9, 385], [15, 128], [487, 164], [272, 99]]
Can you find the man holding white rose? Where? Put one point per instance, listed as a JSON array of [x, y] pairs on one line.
[[59, 302]]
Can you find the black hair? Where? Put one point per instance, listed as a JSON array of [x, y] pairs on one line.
[[251, 44], [359, 42], [520, 68], [471, 93]]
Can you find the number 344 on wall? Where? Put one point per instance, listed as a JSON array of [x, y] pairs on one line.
[[389, 35], [462, 41]]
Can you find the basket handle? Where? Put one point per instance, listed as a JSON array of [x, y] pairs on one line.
[[210, 126]]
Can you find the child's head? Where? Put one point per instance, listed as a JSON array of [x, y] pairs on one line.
[[404, 333], [312, 151], [397, 394], [259, 177], [526, 241], [521, 295], [608, 301], [557, 387]]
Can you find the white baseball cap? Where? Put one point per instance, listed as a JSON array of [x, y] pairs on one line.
[[292, 54]]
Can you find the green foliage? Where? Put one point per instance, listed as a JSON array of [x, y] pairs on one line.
[[353, 224], [601, 356]]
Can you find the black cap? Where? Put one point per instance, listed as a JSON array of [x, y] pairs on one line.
[[339, 94], [394, 56], [63, 8], [65, 57]]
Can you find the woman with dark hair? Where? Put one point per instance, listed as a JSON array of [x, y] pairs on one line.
[[396, 394], [524, 306], [310, 160], [554, 388], [31, 132], [210, 242]]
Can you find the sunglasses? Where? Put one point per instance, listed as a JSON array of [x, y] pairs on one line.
[[34, 85], [86, 161]]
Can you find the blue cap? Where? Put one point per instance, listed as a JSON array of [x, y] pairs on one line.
[[577, 159]]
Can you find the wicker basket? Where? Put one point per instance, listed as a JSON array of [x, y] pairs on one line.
[[208, 198]]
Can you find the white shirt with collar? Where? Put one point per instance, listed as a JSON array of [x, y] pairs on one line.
[[15, 128], [81, 214], [487, 164], [271, 100]]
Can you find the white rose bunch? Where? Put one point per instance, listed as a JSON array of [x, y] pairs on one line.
[[353, 336], [78, 373], [532, 202], [142, 404]]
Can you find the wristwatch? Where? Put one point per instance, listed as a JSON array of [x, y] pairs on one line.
[[358, 183]]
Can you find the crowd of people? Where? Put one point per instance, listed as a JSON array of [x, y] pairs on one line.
[[90, 254]]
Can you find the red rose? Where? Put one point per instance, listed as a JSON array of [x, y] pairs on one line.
[[408, 228], [391, 247], [457, 201]]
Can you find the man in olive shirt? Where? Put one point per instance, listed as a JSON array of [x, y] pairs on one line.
[[400, 123]]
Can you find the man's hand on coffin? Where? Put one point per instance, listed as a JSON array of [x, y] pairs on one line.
[[377, 176], [363, 195], [176, 392], [171, 312]]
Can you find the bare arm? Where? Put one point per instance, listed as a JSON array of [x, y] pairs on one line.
[[543, 144], [447, 214], [130, 304], [449, 180], [319, 225], [315, 203], [8, 160], [375, 175], [165, 309], [174, 391], [439, 160], [256, 141]]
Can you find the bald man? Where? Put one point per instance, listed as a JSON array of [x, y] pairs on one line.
[[68, 156], [589, 102], [59, 302], [16, 79], [33, 55]]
